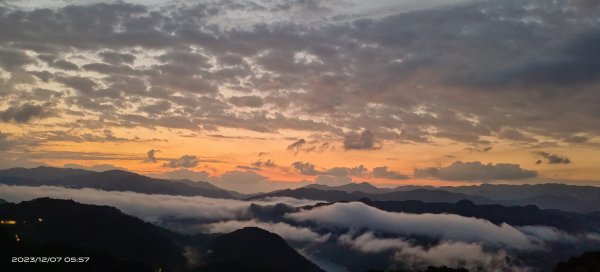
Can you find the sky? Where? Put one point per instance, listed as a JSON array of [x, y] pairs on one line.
[[271, 94]]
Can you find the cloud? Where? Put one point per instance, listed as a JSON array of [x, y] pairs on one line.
[[476, 171], [552, 158], [286, 231], [302, 75], [13, 59], [24, 113], [252, 101], [414, 257], [306, 168], [185, 161], [151, 156], [296, 145], [152, 208], [347, 171], [309, 169], [268, 163], [576, 139], [515, 135], [471, 256], [356, 215], [362, 141], [5, 143], [116, 58], [383, 172]]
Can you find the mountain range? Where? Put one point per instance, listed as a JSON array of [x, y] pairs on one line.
[[112, 180], [581, 199]]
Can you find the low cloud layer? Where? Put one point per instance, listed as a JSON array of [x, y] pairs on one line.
[[445, 226], [152, 208], [447, 253], [451, 240], [288, 232]]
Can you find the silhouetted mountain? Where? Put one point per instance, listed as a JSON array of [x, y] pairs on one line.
[[587, 262], [546, 196], [112, 180], [497, 214], [333, 195], [581, 199], [364, 187], [118, 242], [253, 249], [112, 240]]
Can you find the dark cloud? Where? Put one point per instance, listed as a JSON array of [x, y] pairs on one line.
[[515, 135], [65, 65], [476, 171], [309, 169], [552, 158], [82, 84], [574, 61], [11, 59], [185, 161], [403, 77], [268, 163], [151, 156], [296, 145], [306, 168], [362, 141], [576, 139], [252, 101], [244, 167], [480, 149], [383, 172], [116, 58], [5, 143], [24, 113]]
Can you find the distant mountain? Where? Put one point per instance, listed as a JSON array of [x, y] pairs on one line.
[[112, 180], [118, 242], [522, 191], [334, 195], [497, 214], [366, 187], [254, 250], [582, 199], [546, 196], [587, 262]]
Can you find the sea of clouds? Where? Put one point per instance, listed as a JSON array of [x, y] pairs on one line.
[[458, 241]]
